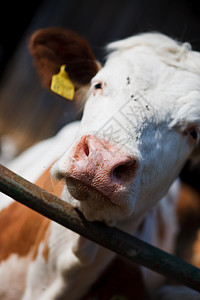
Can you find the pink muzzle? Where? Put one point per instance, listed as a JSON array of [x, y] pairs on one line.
[[98, 167]]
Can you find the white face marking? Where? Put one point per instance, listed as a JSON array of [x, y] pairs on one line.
[[136, 103]]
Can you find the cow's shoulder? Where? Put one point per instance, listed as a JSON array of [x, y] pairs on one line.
[[22, 229]]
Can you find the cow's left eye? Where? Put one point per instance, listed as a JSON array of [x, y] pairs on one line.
[[193, 134]]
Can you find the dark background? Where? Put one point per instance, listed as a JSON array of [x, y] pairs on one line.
[[100, 21], [28, 113]]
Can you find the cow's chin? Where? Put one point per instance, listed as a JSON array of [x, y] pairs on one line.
[[94, 205]]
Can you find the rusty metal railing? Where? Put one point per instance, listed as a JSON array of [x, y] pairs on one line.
[[114, 239]]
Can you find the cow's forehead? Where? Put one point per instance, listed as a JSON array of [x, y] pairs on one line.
[[135, 64], [142, 70]]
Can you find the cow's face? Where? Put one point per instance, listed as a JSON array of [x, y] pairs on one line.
[[140, 125], [132, 144]]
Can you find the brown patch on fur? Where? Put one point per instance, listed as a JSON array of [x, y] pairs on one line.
[[53, 47], [22, 229], [43, 236], [188, 212], [188, 209], [45, 252], [195, 257]]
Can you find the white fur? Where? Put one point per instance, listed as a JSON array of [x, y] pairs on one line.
[[145, 118], [13, 271]]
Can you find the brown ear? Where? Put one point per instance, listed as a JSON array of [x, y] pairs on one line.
[[53, 47]]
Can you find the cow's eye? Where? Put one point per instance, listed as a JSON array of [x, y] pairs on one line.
[[193, 134], [98, 86]]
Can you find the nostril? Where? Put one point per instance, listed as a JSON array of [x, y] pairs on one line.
[[124, 172], [86, 150], [120, 171]]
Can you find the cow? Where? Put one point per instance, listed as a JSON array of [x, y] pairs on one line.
[[119, 164]]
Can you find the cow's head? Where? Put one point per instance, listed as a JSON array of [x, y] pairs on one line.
[[141, 120]]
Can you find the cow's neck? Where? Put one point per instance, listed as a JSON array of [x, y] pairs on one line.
[[91, 259], [91, 255], [80, 260]]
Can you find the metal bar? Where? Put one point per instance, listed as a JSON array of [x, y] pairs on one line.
[[112, 238]]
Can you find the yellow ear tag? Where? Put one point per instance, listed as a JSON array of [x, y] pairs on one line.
[[62, 85]]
